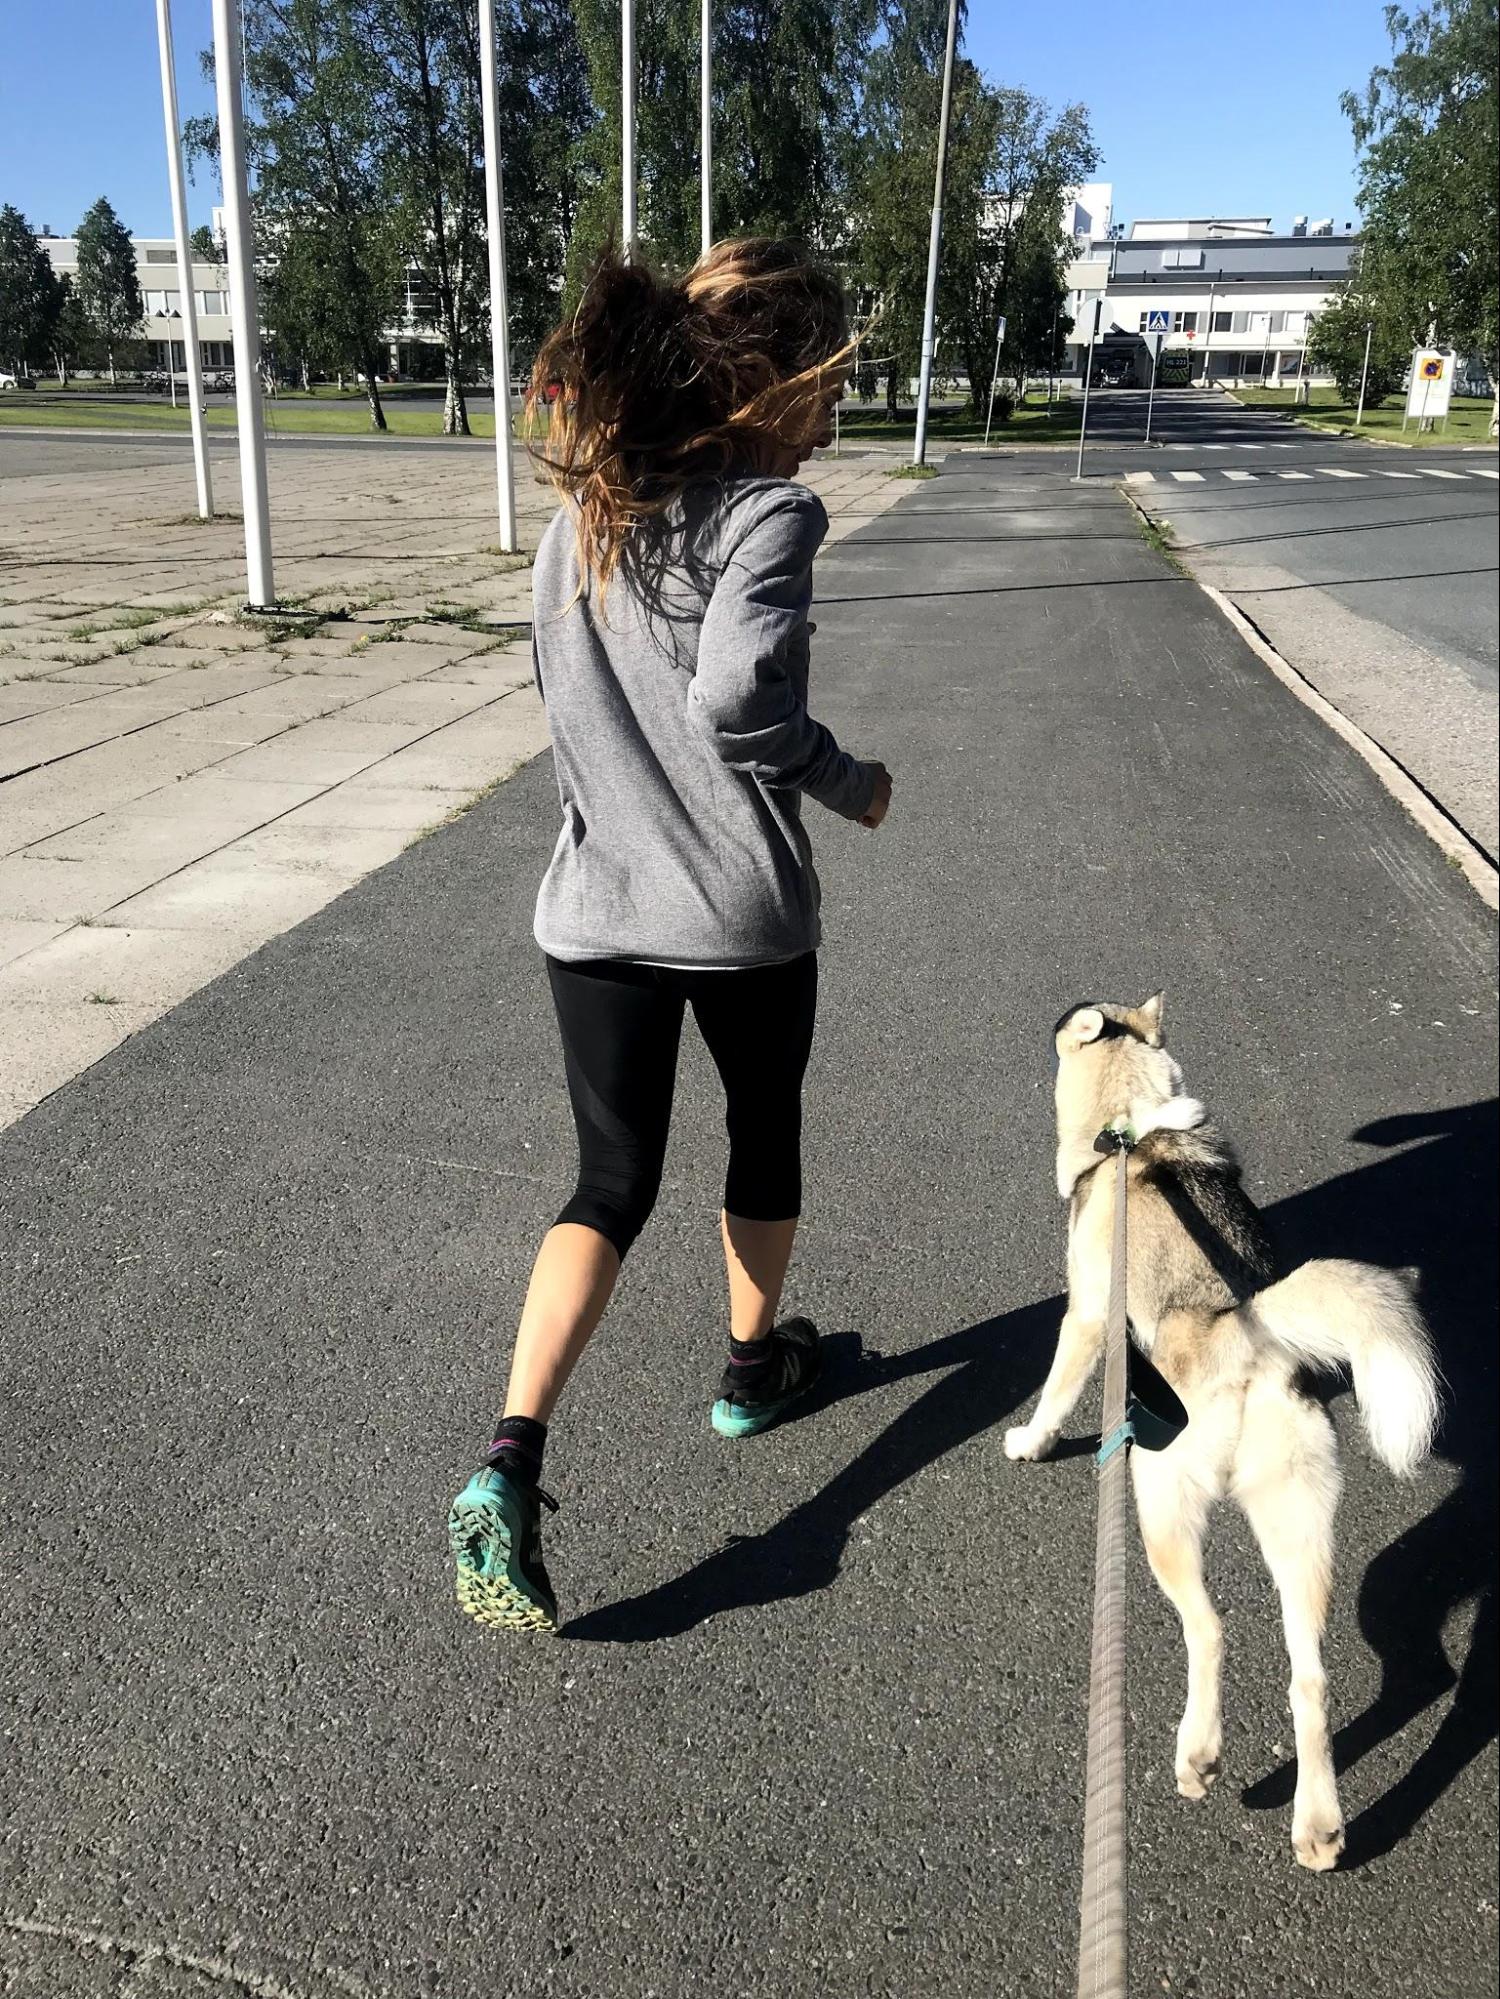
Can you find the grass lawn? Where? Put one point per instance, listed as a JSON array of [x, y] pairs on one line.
[[302, 416], [1468, 418], [1031, 424]]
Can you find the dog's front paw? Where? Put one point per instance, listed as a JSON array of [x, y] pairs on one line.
[[1315, 1849], [1195, 1778], [1028, 1442]]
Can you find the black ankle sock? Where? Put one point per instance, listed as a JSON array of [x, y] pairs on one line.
[[517, 1448], [748, 1361]]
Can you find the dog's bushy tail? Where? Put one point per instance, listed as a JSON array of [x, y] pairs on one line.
[[1331, 1313]]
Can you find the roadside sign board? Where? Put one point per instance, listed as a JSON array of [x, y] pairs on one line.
[[1158, 322], [1431, 389]]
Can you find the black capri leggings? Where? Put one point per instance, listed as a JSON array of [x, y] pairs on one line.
[[621, 1024]]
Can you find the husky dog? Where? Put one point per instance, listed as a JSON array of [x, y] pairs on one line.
[[1232, 1344]]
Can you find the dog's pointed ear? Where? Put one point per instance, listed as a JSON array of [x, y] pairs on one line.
[[1149, 1018], [1083, 1025]]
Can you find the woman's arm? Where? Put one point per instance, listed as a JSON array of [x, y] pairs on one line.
[[743, 697]]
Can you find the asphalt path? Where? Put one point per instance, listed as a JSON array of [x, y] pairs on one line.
[[1372, 569], [815, 1722]]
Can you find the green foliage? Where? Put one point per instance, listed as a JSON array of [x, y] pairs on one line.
[[1009, 159], [30, 294], [1337, 343], [1429, 135], [109, 292]]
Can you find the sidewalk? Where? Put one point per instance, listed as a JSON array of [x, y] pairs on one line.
[[178, 783], [814, 1728]]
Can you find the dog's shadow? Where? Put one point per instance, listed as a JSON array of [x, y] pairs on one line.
[[1426, 1201], [1430, 1203]]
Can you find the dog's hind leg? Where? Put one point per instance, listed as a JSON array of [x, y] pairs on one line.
[[1290, 1505], [1173, 1513], [1080, 1342]]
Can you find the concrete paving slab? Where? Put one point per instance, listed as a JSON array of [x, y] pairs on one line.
[[43, 1046], [284, 761], [218, 795], [234, 891], [132, 965], [365, 801], [19, 698], [19, 935], [70, 889]]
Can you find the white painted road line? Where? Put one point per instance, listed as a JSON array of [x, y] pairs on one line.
[[1383, 474], [1338, 472], [1251, 476], [1484, 472], [1140, 478], [1437, 472], [1294, 475], [1188, 478]]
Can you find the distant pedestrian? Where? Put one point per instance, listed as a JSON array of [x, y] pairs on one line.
[[671, 640]]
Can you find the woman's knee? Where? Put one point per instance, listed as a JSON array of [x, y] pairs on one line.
[[617, 1204]]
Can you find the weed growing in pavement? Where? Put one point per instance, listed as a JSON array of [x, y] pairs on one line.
[[103, 999], [912, 472], [1157, 535], [471, 618]]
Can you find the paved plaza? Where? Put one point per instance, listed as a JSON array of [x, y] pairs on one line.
[[179, 783]]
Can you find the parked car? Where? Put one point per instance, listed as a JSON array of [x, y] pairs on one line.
[[222, 381], [8, 381]]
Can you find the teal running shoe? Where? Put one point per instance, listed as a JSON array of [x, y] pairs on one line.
[[495, 1532], [790, 1369]]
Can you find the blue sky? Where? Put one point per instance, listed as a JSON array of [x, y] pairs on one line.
[[1192, 117]]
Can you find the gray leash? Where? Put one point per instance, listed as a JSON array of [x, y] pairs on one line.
[[1102, 1938]]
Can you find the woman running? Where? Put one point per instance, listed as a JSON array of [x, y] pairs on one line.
[[670, 626]]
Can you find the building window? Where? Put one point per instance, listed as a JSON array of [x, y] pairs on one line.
[[1184, 322], [1241, 323], [160, 257], [1278, 322], [1182, 260], [1223, 322]]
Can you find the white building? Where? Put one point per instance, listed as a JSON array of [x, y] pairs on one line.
[[1233, 301], [161, 289]]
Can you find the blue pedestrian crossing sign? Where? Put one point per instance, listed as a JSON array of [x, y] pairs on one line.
[[1158, 322]]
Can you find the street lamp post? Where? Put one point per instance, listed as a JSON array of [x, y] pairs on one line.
[[994, 373], [627, 126], [239, 252], [184, 266], [706, 142], [1088, 376], [1208, 334], [494, 208], [934, 242], [1364, 373]]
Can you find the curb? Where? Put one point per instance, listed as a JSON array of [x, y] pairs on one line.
[[1440, 827]]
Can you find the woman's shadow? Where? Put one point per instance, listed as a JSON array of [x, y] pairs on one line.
[[1428, 1202]]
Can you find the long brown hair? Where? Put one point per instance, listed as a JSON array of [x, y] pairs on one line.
[[652, 384]]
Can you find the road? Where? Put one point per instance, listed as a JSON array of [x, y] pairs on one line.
[[815, 1724], [1371, 568]]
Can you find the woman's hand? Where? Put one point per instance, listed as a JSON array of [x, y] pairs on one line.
[[880, 801]]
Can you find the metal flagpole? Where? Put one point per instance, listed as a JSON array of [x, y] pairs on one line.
[[999, 339], [1088, 376], [184, 266], [627, 126], [706, 143], [934, 242], [1364, 374], [494, 208], [246, 305]]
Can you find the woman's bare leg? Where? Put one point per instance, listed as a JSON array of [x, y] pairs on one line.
[[571, 1282], [756, 1255]]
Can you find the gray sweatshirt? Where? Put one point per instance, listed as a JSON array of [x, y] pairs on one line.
[[681, 735]]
